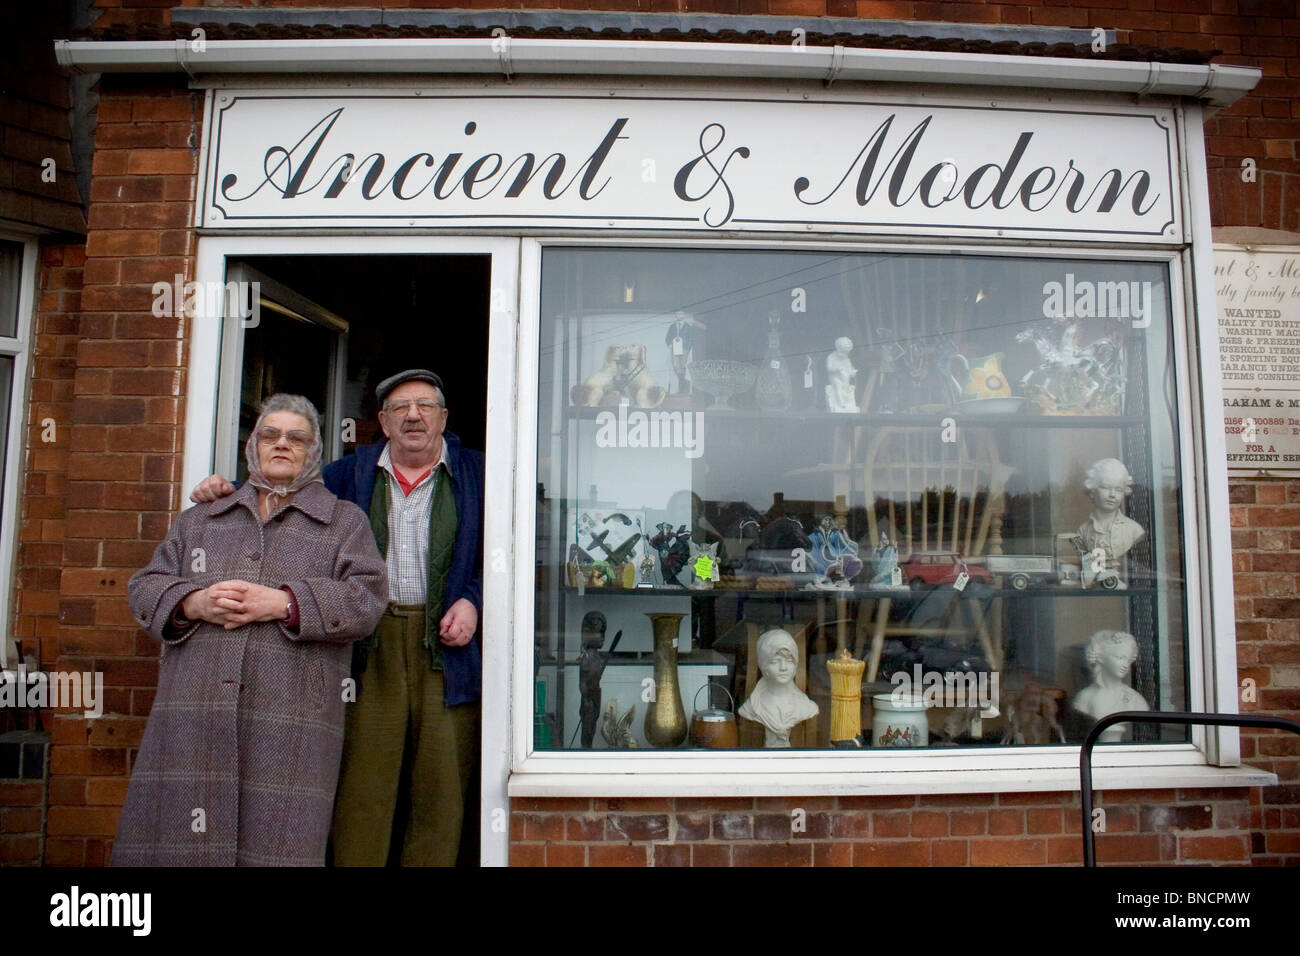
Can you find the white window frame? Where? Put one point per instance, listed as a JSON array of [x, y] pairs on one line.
[[1209, 757], [201, 427], [17, 347]]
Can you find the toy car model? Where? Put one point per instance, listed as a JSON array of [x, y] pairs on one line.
[[937, 568]]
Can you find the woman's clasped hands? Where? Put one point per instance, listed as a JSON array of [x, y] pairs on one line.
[[233, 604]]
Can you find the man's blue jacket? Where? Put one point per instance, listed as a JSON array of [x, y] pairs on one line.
[[352, 478]]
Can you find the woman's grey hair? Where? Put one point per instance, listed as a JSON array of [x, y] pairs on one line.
[[284, 402]]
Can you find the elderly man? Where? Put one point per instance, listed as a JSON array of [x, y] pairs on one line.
[[416, 714]]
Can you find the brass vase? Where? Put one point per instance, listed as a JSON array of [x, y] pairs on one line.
[[665, 718]]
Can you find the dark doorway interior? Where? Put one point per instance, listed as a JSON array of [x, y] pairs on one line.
[[404, 311]]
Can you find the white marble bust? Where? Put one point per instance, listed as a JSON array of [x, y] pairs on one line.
[[1110, 656], [1107, 482], [776, 702]]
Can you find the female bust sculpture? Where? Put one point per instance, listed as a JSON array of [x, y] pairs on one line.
[[776, 702], [1110, 656]]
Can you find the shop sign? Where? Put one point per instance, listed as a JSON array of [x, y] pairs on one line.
[[1258, 293], [707, 164]]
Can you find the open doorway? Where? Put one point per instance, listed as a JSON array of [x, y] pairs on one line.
[[332, 327]]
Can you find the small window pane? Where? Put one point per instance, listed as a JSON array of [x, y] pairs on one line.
[[11, 273]]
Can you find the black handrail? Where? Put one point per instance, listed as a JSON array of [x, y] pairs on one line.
[[1152, 717]]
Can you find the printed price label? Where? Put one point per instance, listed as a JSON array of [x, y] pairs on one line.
[[808, 375], [962, 580], [677, 345], [896, 578], [776, 363], [704, 568]]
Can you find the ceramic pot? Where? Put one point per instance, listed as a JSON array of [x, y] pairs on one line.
[[899, 723]]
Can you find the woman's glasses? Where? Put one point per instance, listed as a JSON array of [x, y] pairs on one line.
[[271, 436], [425, 406]]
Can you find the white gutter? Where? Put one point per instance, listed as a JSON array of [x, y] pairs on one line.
[[1219, 86]]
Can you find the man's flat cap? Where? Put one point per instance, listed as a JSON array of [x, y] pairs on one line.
[[410, 375]]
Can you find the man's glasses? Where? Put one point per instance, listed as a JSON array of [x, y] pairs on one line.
[[425, 406], [271, 436]]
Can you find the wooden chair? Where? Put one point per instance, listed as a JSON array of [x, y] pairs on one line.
[[934, 495]]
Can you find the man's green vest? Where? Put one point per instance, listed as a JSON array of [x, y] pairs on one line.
[[442, 544]]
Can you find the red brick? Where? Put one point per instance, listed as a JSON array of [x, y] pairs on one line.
[[672, 854], [527, 854], [832, 854], [1043, 820], [20, 849], [1127, 848], [710, 854], [82, 821], [147, 162], [1211, 848], [967, 823], [618, 855], [1006, 822], [950, 853], [585, 829], [565, 854], [772, 854], [891, 824], [891, 853], [929, 823], [1008, 852]]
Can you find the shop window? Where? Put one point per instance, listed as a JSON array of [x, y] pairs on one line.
[[17, 285], [855, 499]]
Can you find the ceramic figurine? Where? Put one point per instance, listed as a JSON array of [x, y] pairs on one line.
[[615, 729], [776, 702], [623, 378], [680, 338], [703, 564], [1108, 533], [833, 554], [840, 394], [1074, 379], [1031, 717], [1110, 656], [674, 550], [887, 573], [772, 391]]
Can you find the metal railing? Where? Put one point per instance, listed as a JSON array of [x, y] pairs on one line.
[[1152, 717]]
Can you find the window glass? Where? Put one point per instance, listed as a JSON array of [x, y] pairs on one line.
[[817, 500], [11, 272]]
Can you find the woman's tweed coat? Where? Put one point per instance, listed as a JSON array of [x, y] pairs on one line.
[[241, 753]]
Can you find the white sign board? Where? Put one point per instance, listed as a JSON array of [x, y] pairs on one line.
[[1258, 293], [575, 160]]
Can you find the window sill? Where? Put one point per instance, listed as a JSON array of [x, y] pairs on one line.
[[879, 783]]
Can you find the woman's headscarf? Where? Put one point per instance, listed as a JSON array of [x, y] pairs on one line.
[[278, 493]]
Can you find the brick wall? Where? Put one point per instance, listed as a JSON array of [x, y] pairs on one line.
[[24, 762], [1012, 829], [1266, 566], [122, 387]]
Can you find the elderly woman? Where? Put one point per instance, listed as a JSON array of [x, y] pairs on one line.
[[256, 598]]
